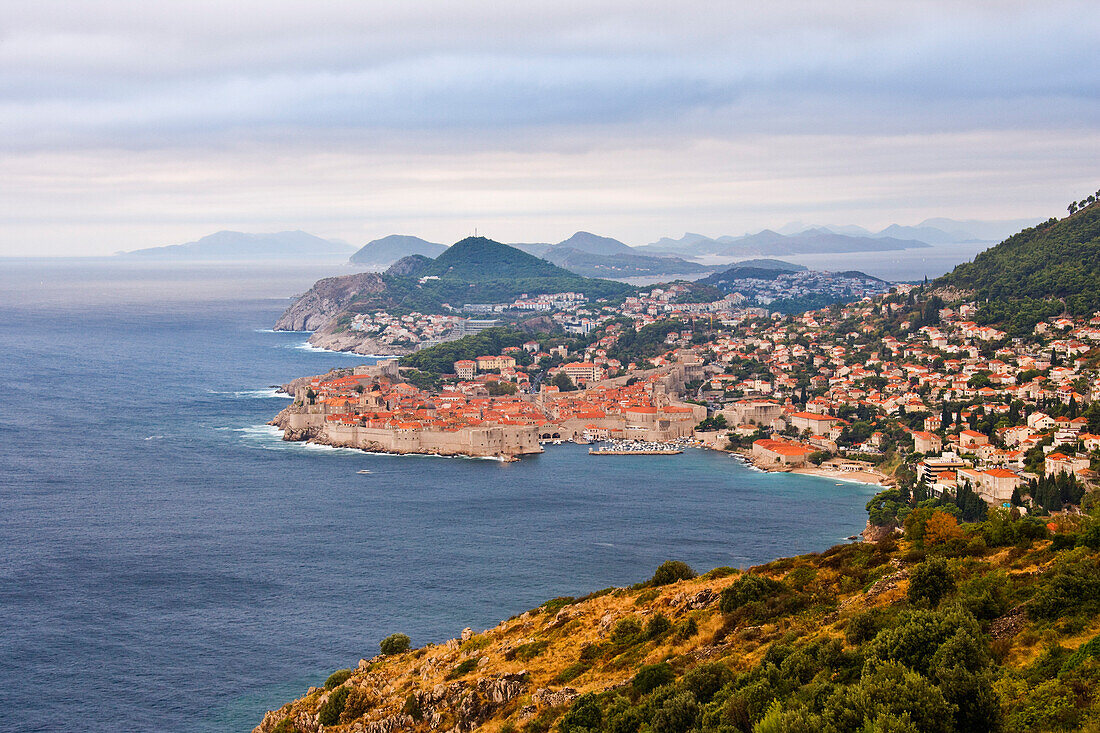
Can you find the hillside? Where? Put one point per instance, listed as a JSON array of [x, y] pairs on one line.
[[476, 258], [749, 270], [475, 270], [983, 627], [227, 246], [387, 250], [621, 265], [1044, 270]]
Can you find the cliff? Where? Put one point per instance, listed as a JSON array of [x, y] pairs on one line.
[[982, 629], [326, 299]]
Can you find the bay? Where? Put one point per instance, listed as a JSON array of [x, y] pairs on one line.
[[167, 563]]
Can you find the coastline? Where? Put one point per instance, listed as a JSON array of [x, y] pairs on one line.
[[866, 476]]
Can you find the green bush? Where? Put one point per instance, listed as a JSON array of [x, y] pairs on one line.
[[748, 589], [930, 582], [657, 626], [652, 676], [706, 680], [865, 626], [527, 652], [337, 678], [584, 715], [462, 668], [329, 713], [626, 631], [670, 571], [395, 644]]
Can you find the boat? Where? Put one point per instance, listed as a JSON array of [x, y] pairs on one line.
[[363, 471]]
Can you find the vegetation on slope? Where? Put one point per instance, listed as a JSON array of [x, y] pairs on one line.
[[992, 626], [1043, 271]]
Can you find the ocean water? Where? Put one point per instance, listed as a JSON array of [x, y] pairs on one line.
[[168, 564]]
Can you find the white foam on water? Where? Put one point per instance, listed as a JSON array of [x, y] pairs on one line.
[[254, 394]]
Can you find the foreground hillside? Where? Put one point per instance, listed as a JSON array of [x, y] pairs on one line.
[[991, 626]]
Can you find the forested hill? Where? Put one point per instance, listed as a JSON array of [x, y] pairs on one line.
[[1045, 270], [476, 258]]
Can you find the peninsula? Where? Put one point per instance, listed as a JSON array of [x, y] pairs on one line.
[[972, 607]]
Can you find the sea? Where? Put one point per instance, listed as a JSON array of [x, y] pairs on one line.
[[168, 563]]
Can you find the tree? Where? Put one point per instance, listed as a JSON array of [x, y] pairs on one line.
[[395, 644], [940, 529], [931, 581], [562, 381], [670, 571]]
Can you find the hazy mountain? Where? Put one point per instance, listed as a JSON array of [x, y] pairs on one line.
[[538, 249], [595, 244], [767, 264], [982, 231], [227, 245], [628, 264], [387, 250], [797, 227]]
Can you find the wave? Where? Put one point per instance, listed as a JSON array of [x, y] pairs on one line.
[[269, 437], [255, 394], [272, 330], [307, 346], [154, 437]]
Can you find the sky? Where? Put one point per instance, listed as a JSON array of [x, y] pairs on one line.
[[129, 123]]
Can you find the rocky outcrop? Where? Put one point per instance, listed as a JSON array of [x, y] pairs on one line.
[[409, 266], [326, 299], [876, 533], [355, 342]]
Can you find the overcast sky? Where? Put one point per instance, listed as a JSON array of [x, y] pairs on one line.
[[127, 124]]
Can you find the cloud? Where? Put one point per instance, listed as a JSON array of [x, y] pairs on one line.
[[122, 110]]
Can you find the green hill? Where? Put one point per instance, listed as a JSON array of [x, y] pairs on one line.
[[1044, 270], [475, 259]]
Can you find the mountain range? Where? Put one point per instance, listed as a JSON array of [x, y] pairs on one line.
[[592, 255]]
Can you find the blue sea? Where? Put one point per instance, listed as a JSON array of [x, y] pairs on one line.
[[167, 563]]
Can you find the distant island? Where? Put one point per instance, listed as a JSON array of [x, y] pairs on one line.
[[227, 245]]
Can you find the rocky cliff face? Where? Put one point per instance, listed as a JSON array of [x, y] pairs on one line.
[[326, 299]]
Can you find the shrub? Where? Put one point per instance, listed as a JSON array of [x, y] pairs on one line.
[[657, 626], [358, 704], [329, 713], [412, 708], [585, 715], [395, 644], [462, 668], [652, 676], [688, 629], [1073, 585], [865, 626], [676, 714], [670, 571], [527, 652], [748, 589], [556, 604], [706, 680], [337, 678], [930, 582], [626, 631]]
